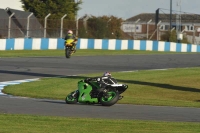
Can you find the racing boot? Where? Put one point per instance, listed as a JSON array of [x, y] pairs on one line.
[[120, 97], [74, 48]]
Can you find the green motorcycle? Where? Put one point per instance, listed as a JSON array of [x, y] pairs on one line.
[[90, 92]]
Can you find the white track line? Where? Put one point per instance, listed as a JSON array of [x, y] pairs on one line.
[[6, 83]]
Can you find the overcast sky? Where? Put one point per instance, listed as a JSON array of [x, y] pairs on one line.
[[122, 8]]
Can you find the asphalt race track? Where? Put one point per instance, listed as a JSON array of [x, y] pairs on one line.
[[38, 67]]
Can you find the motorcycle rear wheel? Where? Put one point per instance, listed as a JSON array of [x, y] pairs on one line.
[[110, 98]]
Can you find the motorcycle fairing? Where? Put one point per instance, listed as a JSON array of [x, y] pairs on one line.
[[69, 42], [84, 93]]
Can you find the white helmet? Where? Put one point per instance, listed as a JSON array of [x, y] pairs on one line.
[[107, 74], [70, 32]]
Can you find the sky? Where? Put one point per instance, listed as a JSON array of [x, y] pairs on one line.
[[122, 8]]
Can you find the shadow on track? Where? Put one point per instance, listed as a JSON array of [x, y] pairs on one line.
[[57, 102], [41, 74], [63, 102], [166, 86], [29, 73]]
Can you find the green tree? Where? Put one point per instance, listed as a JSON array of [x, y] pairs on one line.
[[172, 37], [57, 8], [104, 27], [97, 27]]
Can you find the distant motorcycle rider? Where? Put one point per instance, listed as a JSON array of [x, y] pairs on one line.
[[70, 35]]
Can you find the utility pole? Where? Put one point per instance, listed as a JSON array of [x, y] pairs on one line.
[[76, 17], [170, 14]]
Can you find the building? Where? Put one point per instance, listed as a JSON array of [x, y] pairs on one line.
[[153, 25], [17, 24]]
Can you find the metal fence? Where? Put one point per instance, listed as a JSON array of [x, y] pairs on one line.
[[35, 28], [57, 28]]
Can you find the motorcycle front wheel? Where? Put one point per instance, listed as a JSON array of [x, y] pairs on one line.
[[72, 98], [67, 53], [109, 98]]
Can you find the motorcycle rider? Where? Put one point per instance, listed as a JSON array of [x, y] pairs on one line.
[[104, 81], [70, 35], [107, 74]]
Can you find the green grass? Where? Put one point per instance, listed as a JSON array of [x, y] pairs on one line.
[[173, 87], [82, 52], [44, 124]]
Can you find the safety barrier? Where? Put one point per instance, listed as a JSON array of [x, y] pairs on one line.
[[106, 44]]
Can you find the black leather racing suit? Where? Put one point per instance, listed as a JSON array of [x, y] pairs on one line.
[[103, 81]]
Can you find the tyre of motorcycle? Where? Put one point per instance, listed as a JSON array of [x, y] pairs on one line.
[[67, 52], [109, 98], [72, 98]]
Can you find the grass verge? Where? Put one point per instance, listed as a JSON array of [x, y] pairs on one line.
[[172, 87], [81, 52], [44, 124]]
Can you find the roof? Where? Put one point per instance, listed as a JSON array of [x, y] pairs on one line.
[[18, 14], [144, 17], [19, 23], [185, 18], [3, 14], [4, 23]]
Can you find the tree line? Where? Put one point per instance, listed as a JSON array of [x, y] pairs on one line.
[[103, 27], [106, 27]]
